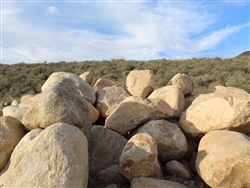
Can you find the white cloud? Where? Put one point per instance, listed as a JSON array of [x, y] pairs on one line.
[[52, 10]]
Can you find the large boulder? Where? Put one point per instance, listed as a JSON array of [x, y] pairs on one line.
[[11, 132], [171, 142], [175, 168], [134, 111], [14, 111], [140, 82], [105, 148], [102, 83], [54, 157], [223, 159], [94, 112], [109, 98], [227, 108], [173, 96], [86, 91], [87, 77], [61, 103], [183, 82], [140, 158]]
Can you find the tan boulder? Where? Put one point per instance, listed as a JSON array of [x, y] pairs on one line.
[[56, 157], [11, 132], [223, 159], [226, 109], [140, 158], [87, 77], [171, 95], [102, 83], [171, 142], [105, 148], [146, 182], [140, 82], [14, 111], [175, 168], [183, 82], [108, 98], [86, 91], [61, 103], [14, 103], [26, 100], [94, 112], [134, 111]]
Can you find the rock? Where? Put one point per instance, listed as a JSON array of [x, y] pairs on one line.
[[87, 77], [56, 157], [109, 98], [105, 148], [146, 182], [14, 103], [171, 95], [113, 185], [140, 158], [94, 112], [26, 100], [112, 174], [61, 103], [86, 91], [134, 111], [102, 83], [223, 159], [14, 111], [140, 82], [171, 142], [183, 82], [1, 112], [189, 100], [226, 109], [11, 132], [175, 168]]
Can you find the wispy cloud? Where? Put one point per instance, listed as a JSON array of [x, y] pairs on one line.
[[52, 10]]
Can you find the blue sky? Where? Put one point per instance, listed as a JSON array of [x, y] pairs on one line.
[[49, 30]]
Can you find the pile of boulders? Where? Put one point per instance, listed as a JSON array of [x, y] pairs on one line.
[[139, 137]]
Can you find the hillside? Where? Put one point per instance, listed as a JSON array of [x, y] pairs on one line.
[[20, 79]]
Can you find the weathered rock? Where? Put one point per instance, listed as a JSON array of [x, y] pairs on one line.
[[105, 148], [226, 109], [94, 112], [14, 103], [11, 132], [61, 103], [189, 100], [26, 100], [102, 83], [112, 174], [183, 82], [175, 168], [109, 98], [140, 82], [86, 91], [134, 111], [87, 77], [146, 182], [56, 157], [140, 158], [1, 112], [173, 96], [171, 142], [14, 111]]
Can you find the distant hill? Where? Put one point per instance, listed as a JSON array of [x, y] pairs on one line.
[[246, 53]]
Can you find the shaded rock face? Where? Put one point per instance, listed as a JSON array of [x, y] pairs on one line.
[[87, 77], [54, 157], [171, 142], [183, 82], [223, 159], [102, 83], [175, 168], [105, 148], [11, 132], [61, 103], [140, 82], [134, 111], [139, 158], [225, 109]]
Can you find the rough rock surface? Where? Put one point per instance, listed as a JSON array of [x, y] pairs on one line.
[[224, 160], [134, 111], [14, 111], [102, 83], [94, 112], [140, 82], [87, 77], [56, 157], [175, 168], [183, 82], [140, 158]]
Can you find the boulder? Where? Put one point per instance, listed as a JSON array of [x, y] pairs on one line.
[[146, 182], [105, 148], [134, 111], [14, 103], [171, 95], [87, 77], [109, 98], [102, 83], [171, 142], [61, 103], [94, 112], [56, 157], [189, 100], [14, 111], [86, 91], [26, 100], [140, 82], [183, 82], [223, 159], [227, 108], [1, 112], [11, 132], [175, 168], [140, 158]]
